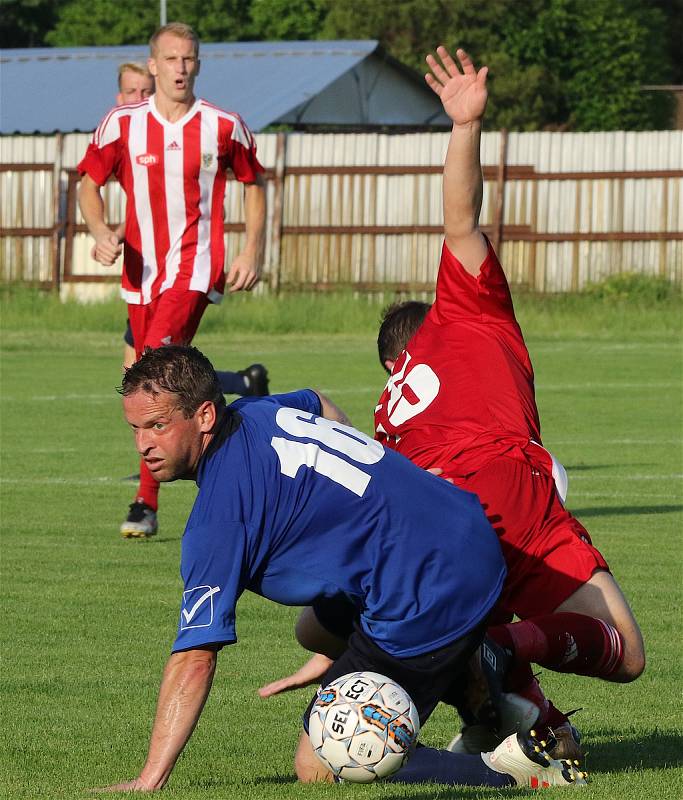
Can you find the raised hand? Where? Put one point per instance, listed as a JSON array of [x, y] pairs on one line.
[[463, 94]]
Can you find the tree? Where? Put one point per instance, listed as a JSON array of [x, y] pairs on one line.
[[288, 19], [26, 22], [109, 22]]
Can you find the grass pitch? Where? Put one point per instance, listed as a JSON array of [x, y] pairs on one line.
[[88, 618]]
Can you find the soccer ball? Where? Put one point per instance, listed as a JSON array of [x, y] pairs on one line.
[[363, 726]]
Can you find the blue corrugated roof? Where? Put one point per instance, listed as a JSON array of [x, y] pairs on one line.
[[70, 89]]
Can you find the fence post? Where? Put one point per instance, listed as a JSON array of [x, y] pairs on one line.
[[70, 222], [58, 230], [278, 196], [500, 192]]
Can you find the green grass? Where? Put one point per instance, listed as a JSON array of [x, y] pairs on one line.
[[88, 618]]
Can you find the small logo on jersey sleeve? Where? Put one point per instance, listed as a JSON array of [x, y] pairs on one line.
[[197, 610], [147, 159]]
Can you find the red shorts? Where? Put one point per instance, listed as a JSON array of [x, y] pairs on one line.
[[548, 552], [171, 318]]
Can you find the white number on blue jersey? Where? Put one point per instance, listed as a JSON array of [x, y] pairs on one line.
[[344, 440]]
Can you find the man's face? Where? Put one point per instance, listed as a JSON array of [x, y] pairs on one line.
[[169, 444], [134, 88], [174, 65]]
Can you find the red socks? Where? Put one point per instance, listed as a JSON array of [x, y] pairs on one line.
[[148, 490], [564, 642]]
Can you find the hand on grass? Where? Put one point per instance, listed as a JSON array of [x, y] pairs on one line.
[[129, 786], [311, 672]]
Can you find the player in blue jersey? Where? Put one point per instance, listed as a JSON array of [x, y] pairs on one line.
[[295, 506]]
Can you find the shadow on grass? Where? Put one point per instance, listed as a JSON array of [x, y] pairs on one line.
[[656, 750], [622, 511]]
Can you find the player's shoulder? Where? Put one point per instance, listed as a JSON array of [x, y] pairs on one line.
[[221, 113], [230, 123], [111, 126]]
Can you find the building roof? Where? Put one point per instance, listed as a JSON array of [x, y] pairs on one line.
[[352, 83]]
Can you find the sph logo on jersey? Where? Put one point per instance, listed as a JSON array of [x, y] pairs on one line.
[[147, 159], [197, 610]]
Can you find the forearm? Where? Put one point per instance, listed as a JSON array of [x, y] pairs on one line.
[[92, 207], [185, 686], [255, 218], [463, 184]]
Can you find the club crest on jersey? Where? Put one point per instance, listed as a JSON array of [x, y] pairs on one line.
[[207, 160], [147, 159]]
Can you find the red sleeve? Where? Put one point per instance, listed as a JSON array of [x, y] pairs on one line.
[[462, 295], [99, 162], [239, 149], [101, 157]]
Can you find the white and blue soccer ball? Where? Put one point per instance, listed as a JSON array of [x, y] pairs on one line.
[[363, 726]]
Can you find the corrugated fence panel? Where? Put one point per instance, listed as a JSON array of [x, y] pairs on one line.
[[319, 235]]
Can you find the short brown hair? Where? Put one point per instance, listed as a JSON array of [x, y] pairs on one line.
[[133, 66], [400, 321], [178, 369], [179, 29]]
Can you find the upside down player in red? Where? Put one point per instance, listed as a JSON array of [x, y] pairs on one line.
[[460, 399], [171, 153]]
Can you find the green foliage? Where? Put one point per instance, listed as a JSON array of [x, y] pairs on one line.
[[109, 22], [632, 287], [288, 19], [595, 56], [26, 22]]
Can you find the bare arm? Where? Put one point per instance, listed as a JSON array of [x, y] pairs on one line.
[[463, 95], [184, 688], [107, 242], [332, 411], [245, 270]]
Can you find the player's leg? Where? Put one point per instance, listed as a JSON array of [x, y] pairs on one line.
[[602, 598], [574, 617], [141, 520], [128, 347], [249, 382], [427, 678]]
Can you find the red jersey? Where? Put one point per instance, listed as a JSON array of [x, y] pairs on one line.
[[174, 175], [462, 392]]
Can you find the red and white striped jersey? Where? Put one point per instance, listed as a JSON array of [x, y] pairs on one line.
[[174, 175]]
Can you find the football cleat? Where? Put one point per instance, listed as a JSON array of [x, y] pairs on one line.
[[256, 380], [525, 757], [141, 522], [568, 743], [515, 714]]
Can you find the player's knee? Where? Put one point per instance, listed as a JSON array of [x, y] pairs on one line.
[[307, 767], [633, 663]]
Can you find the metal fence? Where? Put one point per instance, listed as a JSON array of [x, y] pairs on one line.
[[364, 210]]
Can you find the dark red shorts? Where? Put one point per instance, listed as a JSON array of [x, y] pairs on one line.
[[171, 318], [548, 552]]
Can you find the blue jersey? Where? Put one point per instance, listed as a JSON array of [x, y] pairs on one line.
[[295, 507]]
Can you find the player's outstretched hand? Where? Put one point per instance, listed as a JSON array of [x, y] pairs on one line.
[[463, 94], [129, 786], [243, 274], [311, 672]]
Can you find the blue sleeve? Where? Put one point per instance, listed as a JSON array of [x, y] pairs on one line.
[[303, 399], [211, 569]]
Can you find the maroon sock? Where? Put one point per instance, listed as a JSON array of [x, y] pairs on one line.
[[564, 642], [148, 490]]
